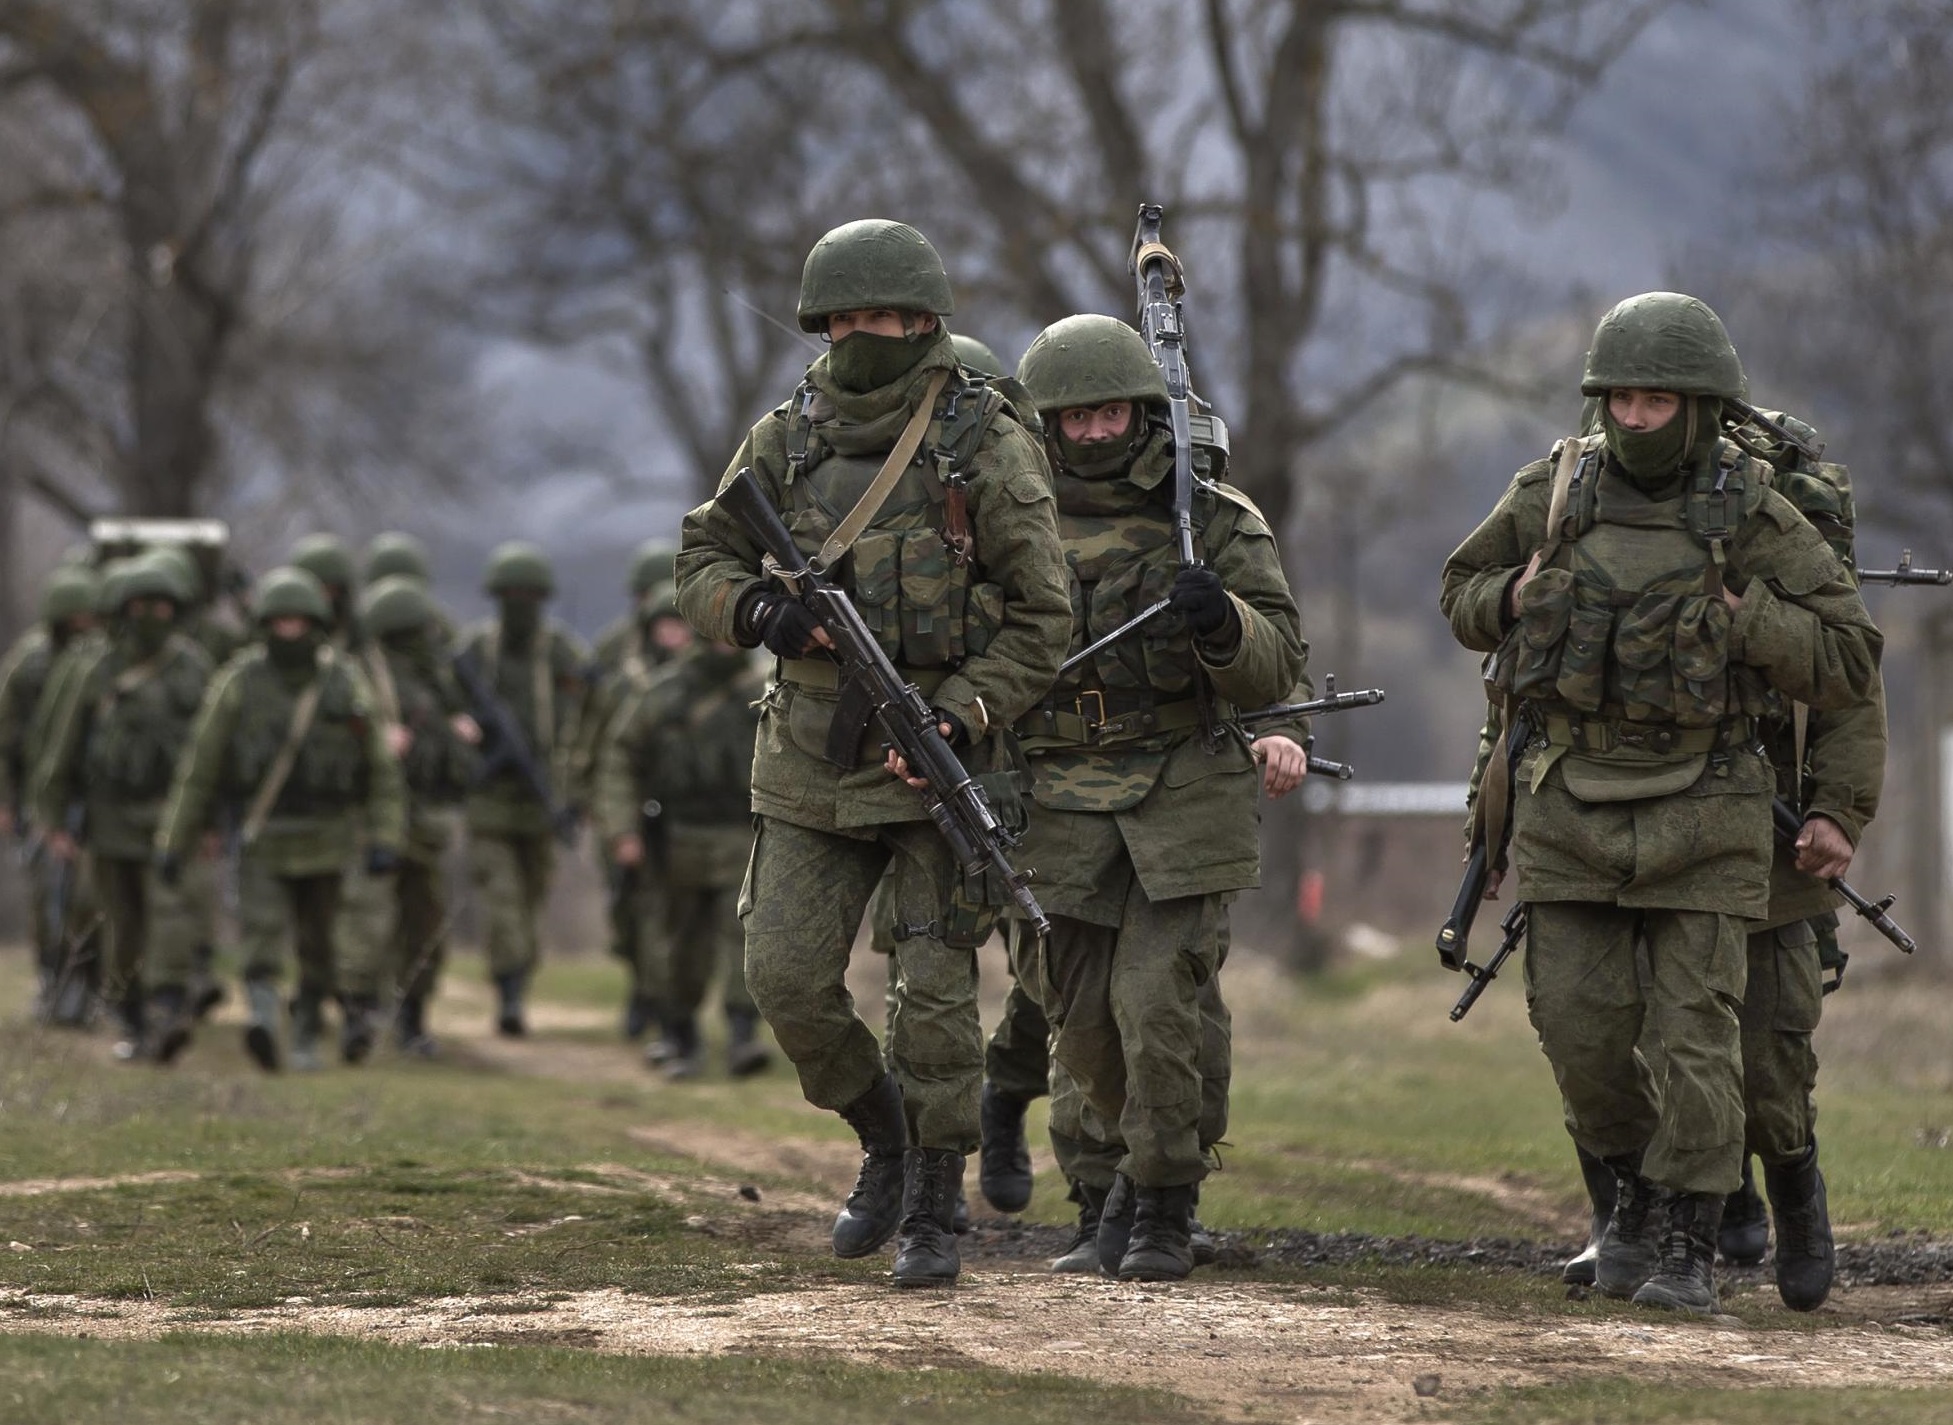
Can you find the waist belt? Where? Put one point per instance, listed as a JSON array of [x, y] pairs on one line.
[[1604, 734], [824, 675], [1096, 716]]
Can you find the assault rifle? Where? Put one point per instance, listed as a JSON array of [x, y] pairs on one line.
[[1514, 926], [1161, 284], [509, 746], [1488, 849], [1789, 825], [959, 807], [1330, 701], [1905, 574]]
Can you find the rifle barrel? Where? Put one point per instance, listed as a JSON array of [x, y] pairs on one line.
[[1789, 825]]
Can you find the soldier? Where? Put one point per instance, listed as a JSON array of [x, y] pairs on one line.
[[1664, 598], [200, 621], [536, 669], [628, 652], [957, 566], [1145, 795], [67, 615], [327, 558], [674, 791], [432, 738], [288, 736], [393, 552]]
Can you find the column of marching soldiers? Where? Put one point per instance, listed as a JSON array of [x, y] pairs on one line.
[[1063, 589]]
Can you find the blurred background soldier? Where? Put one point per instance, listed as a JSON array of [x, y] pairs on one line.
[[674, 792], [288, 738], [67, 612], [534, 671], [628, 652], [124, 718]]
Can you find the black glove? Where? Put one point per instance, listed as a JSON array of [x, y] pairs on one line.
[[382, 861], [169, 868], [1198, 596], [784, 624], [959, 735]]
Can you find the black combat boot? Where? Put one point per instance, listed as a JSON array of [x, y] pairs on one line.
[[356, 1016], [874, 1209], [1161, 1246], [1004, 1166], [746, 1051], [171, 1017], [1205, 1250], [1115, 1224], [1806, 1260], [261, 1034], [1630, 1246], [1744, 1237], [1599, 1179], [206, 990], [686, 1060], [130, 1021], [1685, 1278], [508, 1015], [925, 1249], [410, 1028], [1083, 1253]]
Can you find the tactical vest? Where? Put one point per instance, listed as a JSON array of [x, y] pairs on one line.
[[331, 773], [1626, 621], [437, 766], [914, 573], [696, 759], [141, 719]]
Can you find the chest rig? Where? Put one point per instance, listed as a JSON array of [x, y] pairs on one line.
[[913, 571], [1624, 633]]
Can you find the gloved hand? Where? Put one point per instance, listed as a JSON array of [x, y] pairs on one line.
[[169, 868], [1198, 596], [784, 624], [382, 861], [958, 735]]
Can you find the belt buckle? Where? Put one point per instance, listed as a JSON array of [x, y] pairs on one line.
[[1092, 723]]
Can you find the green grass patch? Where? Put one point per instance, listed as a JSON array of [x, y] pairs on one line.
[[1636, 1401], [272, 1379]]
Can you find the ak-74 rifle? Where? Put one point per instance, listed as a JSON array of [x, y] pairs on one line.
[[959, 807], [508, 745], [1161, 284], [1331, 701], [1905, 574]]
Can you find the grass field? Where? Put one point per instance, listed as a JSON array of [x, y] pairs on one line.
[[582, 1241]]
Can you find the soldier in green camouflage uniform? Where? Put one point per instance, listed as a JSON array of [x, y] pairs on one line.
[[289, 740], [684, 747], [1671, 601], [432, 738], [1144, 823], [537, 669], [123, 719], [628, 654], [960, 574], [67, 614]]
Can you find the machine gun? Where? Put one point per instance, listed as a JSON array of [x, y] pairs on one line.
[[1161, 284], [508, 745], [1789, 825], [959, 807], [1905, 574]]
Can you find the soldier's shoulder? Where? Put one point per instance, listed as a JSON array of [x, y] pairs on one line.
[[1240, 508]]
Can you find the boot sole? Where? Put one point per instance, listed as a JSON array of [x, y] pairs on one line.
[[1004, 1201], [1154, 1274], [915, 1279], [172, 1044], [880, 1241], [1662, 1301], [262, 1048]]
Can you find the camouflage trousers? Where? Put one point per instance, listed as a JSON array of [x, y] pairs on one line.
[[152, 928], [362, 935], [1590, 1007], [1781, 1006], [806, 892], [271, 906], [685, 914], [511, 876], [1124, 1003], [1017, 1058], [78, 945], [393, 931]]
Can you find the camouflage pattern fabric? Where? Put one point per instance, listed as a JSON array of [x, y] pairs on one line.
[[1782, 1000], [153, 930], [274, 909], [511, 876]]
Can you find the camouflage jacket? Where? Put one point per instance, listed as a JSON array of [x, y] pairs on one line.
[[1010, 626], [621, 668], [23, 677], [438, 766], [544, 689], [1119, 741]]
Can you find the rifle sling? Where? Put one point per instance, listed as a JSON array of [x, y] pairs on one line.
[[876, 495], [303, 711]]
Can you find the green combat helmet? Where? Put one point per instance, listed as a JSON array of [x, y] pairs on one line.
[[1664, 341], [396, 553], [69, 592], [396, 604], [519, 567], [183, 564], [149, 577], [651, 565], [1089, 360], [976, 356], [326, 558], [872, 263], [290, 592], [108, 589]]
